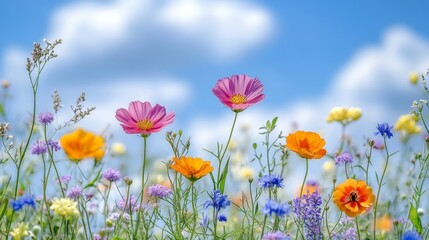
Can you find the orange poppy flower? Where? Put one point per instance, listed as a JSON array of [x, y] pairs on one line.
[[192, 168], [353, 197], [306, 144], [81, 144]]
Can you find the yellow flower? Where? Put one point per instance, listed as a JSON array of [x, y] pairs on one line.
[[81, 144], [407, 124], [306, 144], [118, 148], [344, 115], [192, 168], [328, 166], [246, 173], [64, 207], [353, 197], [414, 77], [20, 231]]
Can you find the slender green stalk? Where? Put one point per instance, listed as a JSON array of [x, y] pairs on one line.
[[305, 177], [379, 188], [194, 210], [140, 212], [357, 227]]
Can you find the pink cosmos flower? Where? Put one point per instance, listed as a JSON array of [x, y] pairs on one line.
[[142, 118], [239, 92]]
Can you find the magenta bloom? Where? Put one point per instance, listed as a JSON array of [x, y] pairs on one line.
[[142, 118], [239, 92]]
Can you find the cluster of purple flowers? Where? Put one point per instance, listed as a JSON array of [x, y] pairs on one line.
[[111, 175], [347, 233], [45, 118], [308, 209], [343, 158], [159, 191], [278, 208], [275, 236], [75, 192], [19, 203], [131, 206], [384, 129], [39, 147], [270, 181]]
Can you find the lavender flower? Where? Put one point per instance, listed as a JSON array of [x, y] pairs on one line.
[[38, 148], [111, 175], [275, 236], [278, 208], [218, 201], [54, 145], [308, 209], [159, 191], [270, 181], [131, 206], [411, 235], [19, 203], [384, 130], [75, 192], [114, 216], [45, 118], [65, 179], [344, 158]]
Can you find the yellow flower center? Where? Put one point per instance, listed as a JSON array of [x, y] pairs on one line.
[[145, 124], [238, 98]]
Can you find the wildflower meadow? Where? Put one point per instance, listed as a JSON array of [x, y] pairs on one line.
[[58, 185]]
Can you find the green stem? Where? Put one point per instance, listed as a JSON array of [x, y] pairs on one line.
[[305, 177], [367, 165], [357, 227], [140, 211], [379, 187], [194, 210]]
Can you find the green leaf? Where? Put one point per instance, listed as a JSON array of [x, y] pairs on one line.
[[2, 110], [92, 183], [415, 219], [223, 177]]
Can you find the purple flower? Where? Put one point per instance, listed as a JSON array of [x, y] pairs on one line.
[[275, 236], [159, 191], [343, 158], [278, 208], [131, 206], [54, 145], [22, 201], [218, 201], [75, 192], [45, 118], [65, 179], [205, 221], [270, 181], [38, 148], [222, 218], [384, 130], [411, 235], [308, 209], [111, 175], [349, 234]]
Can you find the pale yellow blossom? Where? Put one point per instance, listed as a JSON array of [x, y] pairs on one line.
[[20, 231], [328, 166], [246, 173], [407, 124], [118, 148], [414, 77], [64, 207], [344, 115]]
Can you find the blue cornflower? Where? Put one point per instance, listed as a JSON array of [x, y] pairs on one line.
[[22, 201], [384, 129], [45, 118], [411, 235], [222, 218], [308, 209], [218, 201], [343, 158], [270, 181], [278, 208], [275, 236]]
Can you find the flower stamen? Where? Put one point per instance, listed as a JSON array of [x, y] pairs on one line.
[[238, 98], [145, 124]]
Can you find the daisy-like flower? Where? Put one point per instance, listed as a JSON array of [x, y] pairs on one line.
[[82, 144], [353, 197], [239, 92], [64, 207], [192, 168], [142, 118], [307, 145]]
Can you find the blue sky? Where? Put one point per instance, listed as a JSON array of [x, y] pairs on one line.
[[311, 56]]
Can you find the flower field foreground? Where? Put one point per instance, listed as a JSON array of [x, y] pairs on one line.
[[362, 194]]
